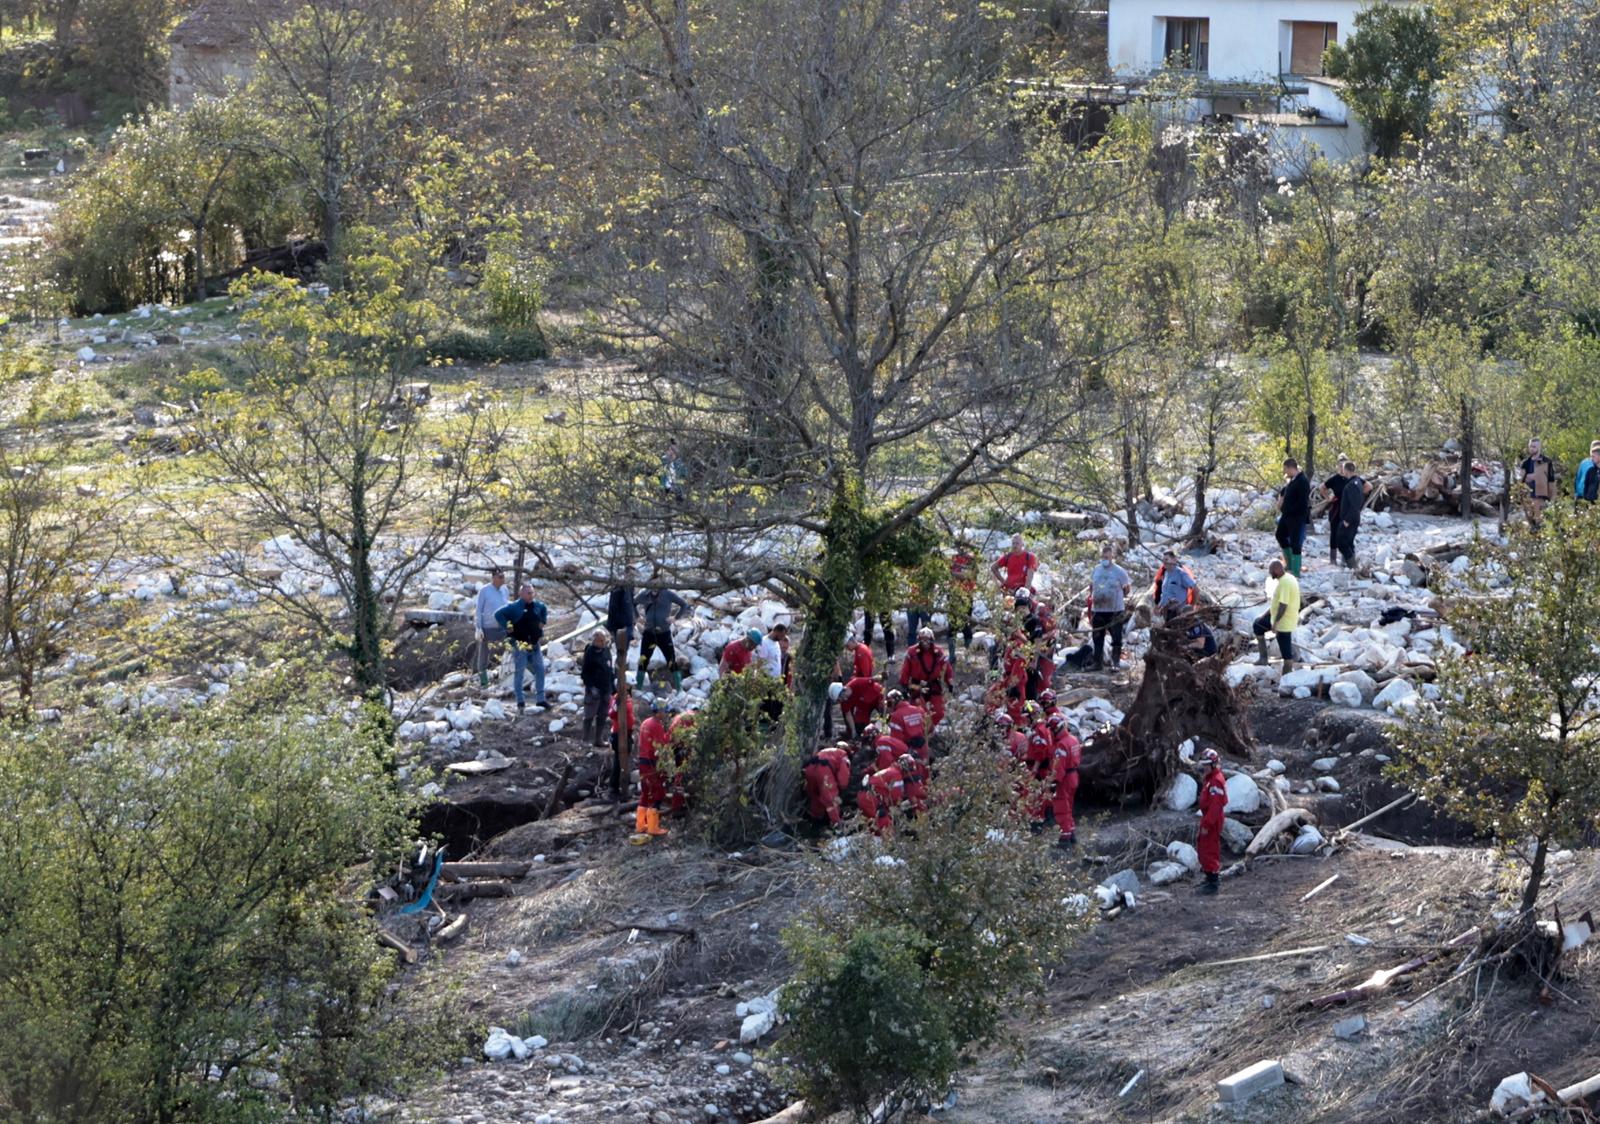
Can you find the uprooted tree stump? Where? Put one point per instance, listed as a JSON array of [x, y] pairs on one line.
[[1179, 699]]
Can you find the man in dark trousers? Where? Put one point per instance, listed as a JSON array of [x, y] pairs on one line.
[[1294, 511], [1331, 489], [659, 608], [1539, 475], [1352, 498]]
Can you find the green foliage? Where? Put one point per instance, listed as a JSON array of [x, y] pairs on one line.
[[513, 283], [1513, 745], [1391, 65], [870, 1010], [726, 748], [179, 942], [912, 953], [179, 196], [55, 546], [328, 443], [464, 345]]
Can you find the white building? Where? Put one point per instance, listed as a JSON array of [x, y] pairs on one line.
[[1256, 63]]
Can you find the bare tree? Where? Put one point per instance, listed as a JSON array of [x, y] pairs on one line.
[[56, 543], [855, 292], [334, 458]]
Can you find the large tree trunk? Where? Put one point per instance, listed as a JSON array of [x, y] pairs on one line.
[[1530, 892], [1311, 444], [1177, 700], [1197, 526], [366, 614], [1467, 442], [833, 598], [1130, 500]]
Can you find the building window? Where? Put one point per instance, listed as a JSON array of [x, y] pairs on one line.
[[1307, 40], [1188, 44]]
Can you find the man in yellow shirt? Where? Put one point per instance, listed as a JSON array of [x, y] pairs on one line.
[[1281, 617]]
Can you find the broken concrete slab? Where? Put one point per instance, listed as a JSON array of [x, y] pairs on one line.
[[1248, 1082]]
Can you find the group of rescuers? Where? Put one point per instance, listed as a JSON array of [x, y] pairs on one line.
[[884, 762]]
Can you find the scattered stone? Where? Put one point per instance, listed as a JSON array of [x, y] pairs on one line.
[[1124, 880], [1244, 796], [1353, 1027], [1344, 694], [1325, 764], [1327, 784], [1391, 695], [1165, 872], [1180, 852], [1182, 793], [1236, 835], [1307, 842], [1241, 1086]]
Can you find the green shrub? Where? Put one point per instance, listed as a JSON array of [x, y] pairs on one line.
[[513, 283], [869, 1013], [730, 742], [915, 950], [179, 941], [494, 346]]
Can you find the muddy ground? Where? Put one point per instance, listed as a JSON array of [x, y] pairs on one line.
[[630, 960]]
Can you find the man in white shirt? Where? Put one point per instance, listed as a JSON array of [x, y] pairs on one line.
[[491, 599], [771, 653]]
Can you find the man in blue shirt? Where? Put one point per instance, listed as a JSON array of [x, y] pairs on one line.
[[525, 619], [1586, 483]]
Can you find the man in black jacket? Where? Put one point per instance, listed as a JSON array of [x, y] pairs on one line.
[[1294, 512], [620, 615], [1352, 498], [599, 680]]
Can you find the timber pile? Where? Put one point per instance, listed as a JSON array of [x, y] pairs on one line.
[[1436, 490], [1178, 699]]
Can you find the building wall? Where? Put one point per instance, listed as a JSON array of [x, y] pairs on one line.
[[1247, 37], [1291, 148], [196, 71]]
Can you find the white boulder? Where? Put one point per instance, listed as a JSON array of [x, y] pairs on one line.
[[1392, 694], [1180, 852], [1244, 796], [1182, 793]]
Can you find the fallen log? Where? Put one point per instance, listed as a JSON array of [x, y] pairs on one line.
[[1307, 951], [1276, 826], [1370, 816], [454, 872], [454, 929], [389, 940], [462, 891], [1178, 699], [1382, 979]]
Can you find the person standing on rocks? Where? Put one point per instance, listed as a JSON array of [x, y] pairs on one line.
[[1352, 498], [1586, 481], [1015, 569], [1294, 511], [488, 630], [1539, 476], [620, 617], [658, 608], [1282, 615], [524, 619], [1174, 587], [1109, 586], [599, 680], [1332, 488], [1213, 803]]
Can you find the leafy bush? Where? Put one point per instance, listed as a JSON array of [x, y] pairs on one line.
[[178, 196], [179, 943], [513, 283], [871, 1009], [462, 345], [914, 951], [722, 753]]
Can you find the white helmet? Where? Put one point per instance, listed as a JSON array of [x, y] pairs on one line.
[[834, 691]]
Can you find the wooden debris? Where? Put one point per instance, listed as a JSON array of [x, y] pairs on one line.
[[1382, 979], [389, 940], [1284, 821], [454, 872], [1318, 888], [1307, 951], [453, 929], [1369, 817], [460, 891]]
